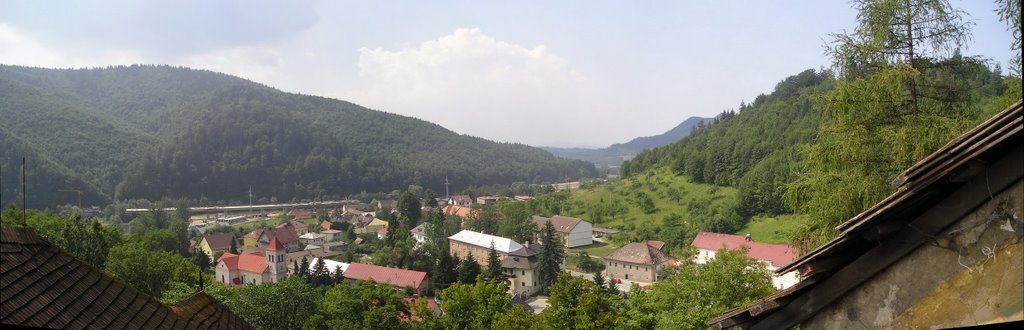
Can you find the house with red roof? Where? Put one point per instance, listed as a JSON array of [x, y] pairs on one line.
[[574, 231], [460, 200], [773, 256], [299, 227], [399, 278], [463, 212], [256, 267], [299, 214], [638, 262], [260, 238], [211, 244]]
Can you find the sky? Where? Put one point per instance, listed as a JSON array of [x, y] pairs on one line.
[[566, 73]]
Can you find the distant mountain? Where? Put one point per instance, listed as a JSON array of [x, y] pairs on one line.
[[159, 131], [614, 155]]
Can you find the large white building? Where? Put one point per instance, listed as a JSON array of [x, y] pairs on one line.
[[519, 261]]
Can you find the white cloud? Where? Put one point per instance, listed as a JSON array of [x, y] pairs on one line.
[[19, 49], [475, 84], [260, 64]]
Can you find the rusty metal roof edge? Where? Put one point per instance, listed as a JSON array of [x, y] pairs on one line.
[[778, 295]]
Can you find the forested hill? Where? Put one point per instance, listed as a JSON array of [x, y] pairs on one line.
[[613, 155], [755, 148], [160, 131]]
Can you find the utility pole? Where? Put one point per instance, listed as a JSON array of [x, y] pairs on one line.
[[446, 194], [79, 196]]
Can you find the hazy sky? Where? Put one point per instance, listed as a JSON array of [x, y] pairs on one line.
[[566, 73]]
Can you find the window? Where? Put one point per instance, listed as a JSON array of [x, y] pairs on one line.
[[524, 274], [523, 283], [627, 276]]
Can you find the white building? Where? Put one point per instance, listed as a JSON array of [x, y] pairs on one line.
[[772, 255], [575, 232], [519, 261]]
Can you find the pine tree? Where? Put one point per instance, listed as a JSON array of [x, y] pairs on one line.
[[494, 271], [468, 270], [320, 276], [599, 279], [339, 275], [234, 246], [303, 267], [445, 272], [551, 256]]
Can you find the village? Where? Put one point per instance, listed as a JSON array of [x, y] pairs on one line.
[[304, 243]]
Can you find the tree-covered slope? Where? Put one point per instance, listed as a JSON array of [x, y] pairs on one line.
[[158, 131], [754, 149]]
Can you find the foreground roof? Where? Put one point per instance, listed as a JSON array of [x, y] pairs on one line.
[[930, 196], [43, 286], [380, 274], [639, 253], [778, 254], [201, 311], [501, 244]]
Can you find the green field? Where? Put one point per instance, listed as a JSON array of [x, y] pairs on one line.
[[621, 203], [596, 250], [771, 229]]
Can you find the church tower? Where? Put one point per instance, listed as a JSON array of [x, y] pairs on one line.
[[276, 260]]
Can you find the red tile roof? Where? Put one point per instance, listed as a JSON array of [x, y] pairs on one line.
[[655, 244], [275, 245], [255, 233], [286, 235], [462, 199], [639, 253], [461, 211], [300, 214], [777, 254], [220, 241], [326, 225], [393, 276], [562, 224], [255, 262]]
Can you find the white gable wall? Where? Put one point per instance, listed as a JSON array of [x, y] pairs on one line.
[[581, 235]]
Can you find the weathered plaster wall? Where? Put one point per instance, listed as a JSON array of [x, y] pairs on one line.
[[972, 273]]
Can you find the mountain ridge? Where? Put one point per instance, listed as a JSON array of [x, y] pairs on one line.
[[613, 155], [160, 131]]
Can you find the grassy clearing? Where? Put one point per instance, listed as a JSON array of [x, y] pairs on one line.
[[597, 250], [771, 229], [624, 200]]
